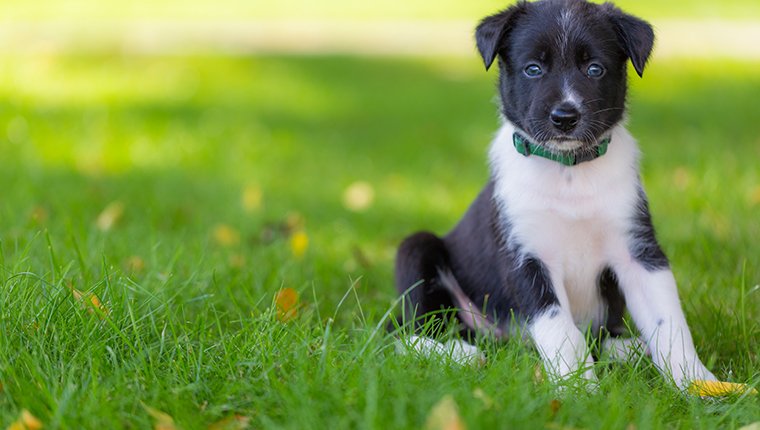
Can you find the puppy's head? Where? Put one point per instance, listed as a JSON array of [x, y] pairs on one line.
[[563, 67]]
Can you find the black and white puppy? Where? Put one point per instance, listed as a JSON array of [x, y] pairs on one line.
[[560, 239]]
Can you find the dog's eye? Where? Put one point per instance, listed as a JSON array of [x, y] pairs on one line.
[[533, 71], [595, 71]]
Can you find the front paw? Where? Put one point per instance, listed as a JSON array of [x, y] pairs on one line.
[[683, 376]]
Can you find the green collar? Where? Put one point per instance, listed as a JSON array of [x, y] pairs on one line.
[[527, 148]]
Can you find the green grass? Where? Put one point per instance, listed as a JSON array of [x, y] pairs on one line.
[[193, 333]]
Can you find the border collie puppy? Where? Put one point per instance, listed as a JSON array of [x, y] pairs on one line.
[[560, 239]]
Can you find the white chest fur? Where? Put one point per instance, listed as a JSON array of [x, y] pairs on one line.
[[575, 219]]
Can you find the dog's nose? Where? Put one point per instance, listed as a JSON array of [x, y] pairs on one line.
[[565, 118]]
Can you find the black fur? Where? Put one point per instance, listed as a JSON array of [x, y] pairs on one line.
[[496, 276], [608, 287], [489, 271], [643, 241], [537, 34]]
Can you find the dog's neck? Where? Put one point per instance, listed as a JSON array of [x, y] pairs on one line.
[[526, 147]]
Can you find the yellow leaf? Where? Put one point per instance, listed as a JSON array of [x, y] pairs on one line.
[[237, 261], [39, 215], [444, 416], [251, 199], [26, 421], [232, 422], [30, 421], [161, 420], [286, 303], [299, 242], [294, 221], [753, 426], [89, 301], [358, 196], [134, 264], [225, 235], [478, 393], [718, 389], [110, 216], [754, 196]]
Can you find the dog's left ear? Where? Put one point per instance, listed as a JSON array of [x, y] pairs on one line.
[[492, 30], [635, 35]]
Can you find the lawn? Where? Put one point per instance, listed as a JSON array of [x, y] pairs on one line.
[[153, 207]]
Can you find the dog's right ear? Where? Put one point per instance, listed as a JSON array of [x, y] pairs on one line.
[[492, 31]]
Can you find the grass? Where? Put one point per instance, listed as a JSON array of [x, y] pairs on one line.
[[188, 325]]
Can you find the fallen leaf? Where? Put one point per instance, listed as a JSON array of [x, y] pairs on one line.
[[481, 395], [754, 196], [753, 426], [251, 198], [719, 389], [232, 422], [237, 261], [161, 420], [294, 221], [554, 406], [225, 235], [444, 416], [25, 421], [134, 264], [538, 374], [30, 421], [299, 242], [286, 303], [89, 301], [39, 215], [358, 196], [110, 216]]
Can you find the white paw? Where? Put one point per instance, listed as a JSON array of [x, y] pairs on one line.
[[458, 351], [683, 376]]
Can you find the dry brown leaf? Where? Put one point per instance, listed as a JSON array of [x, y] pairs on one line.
[[286, 302], [444, 416], [232, 422], [554, 406], [110, 216]]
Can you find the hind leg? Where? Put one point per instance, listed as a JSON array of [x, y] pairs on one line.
[[427, 305]]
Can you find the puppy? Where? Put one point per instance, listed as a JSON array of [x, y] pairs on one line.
[[560, 239]]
